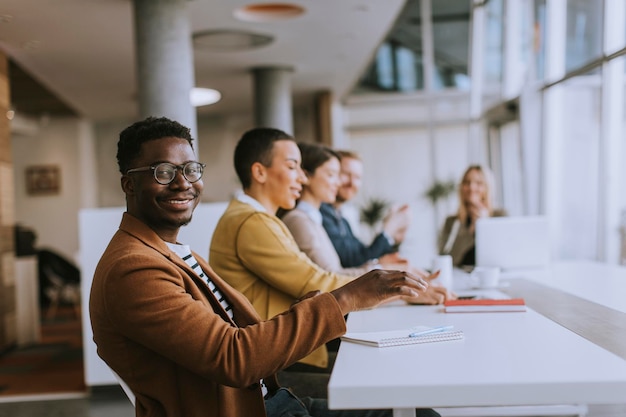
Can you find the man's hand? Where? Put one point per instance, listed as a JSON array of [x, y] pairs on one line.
[[397, 222], [413, 270], [377, 287], [434, 295]]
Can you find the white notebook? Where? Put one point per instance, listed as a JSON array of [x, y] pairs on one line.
[[420, 334]]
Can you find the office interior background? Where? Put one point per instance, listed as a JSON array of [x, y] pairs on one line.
[[421, 89]]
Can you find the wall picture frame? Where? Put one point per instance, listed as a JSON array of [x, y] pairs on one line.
[[43, 180]]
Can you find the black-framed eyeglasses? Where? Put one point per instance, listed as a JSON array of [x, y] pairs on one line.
[[164, 173]]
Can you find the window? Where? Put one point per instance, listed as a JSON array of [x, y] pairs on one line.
[[399, 62]]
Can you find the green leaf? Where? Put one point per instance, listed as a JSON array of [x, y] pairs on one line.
[[373, 211], [440, 190]]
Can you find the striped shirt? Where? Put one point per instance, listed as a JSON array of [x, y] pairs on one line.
[[185, 253]]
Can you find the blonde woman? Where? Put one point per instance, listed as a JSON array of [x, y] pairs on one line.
[[475, 201]]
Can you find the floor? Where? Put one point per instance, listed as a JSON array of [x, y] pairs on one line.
[[47, 379], [99, 402], [52, 365]]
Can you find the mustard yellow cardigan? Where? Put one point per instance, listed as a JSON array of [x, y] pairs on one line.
[[256, 254]]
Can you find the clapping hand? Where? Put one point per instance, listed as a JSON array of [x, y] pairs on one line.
[[397, 222]]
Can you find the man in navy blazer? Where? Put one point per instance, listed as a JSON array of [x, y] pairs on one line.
[[352, 252]]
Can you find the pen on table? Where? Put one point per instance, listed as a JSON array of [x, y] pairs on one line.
[[438, 329]]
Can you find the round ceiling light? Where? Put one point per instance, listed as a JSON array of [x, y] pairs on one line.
[[204, 96], [230, 40], [268, 12]]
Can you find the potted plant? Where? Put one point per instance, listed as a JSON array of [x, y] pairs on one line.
[[372, 213], [439, 191]]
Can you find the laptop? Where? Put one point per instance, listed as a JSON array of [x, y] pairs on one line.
[[513, 243]]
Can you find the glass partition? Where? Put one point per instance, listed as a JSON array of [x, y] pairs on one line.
[[451, 43], [584, 32], [580, 163], [398, 64], [539, 36], [493, 44]]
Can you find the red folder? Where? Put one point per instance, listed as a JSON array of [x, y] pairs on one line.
[[484, 305]]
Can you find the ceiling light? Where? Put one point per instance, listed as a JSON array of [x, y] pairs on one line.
[[230, 40], [268, 12], [204, 96]]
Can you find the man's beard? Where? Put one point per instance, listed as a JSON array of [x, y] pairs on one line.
[[185, 222], [341, 198], [182, 222]]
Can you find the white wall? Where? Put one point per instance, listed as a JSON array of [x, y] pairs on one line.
[[53, 217], [407, 142], [579, 187], [109, 190]]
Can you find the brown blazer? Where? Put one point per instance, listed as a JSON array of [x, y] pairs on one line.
[[156, 324]]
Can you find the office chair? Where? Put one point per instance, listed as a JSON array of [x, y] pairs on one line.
[[59, 282], [129, 393]]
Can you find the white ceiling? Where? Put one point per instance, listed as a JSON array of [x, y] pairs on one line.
[[83, 50]]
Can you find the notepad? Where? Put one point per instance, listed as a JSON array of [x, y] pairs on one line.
[[401, 337], [484, 305]]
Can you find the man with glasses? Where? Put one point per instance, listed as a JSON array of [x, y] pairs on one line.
[[164, 173], [183, 340]]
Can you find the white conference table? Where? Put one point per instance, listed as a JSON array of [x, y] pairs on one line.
[[505, 359], [601, 283]]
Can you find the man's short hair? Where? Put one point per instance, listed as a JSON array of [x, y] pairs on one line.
[[344, 153], [256, 145], [151, 128]]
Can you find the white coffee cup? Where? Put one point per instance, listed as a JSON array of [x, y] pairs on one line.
[[486, 276], [443, 263]]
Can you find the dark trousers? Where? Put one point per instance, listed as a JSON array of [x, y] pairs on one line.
[[285, 404]]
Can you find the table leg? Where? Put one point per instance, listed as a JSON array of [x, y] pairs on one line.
[[404, 412]]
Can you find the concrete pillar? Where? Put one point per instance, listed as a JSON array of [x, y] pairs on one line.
[[272, 98], [165, 71], [8, 322]]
